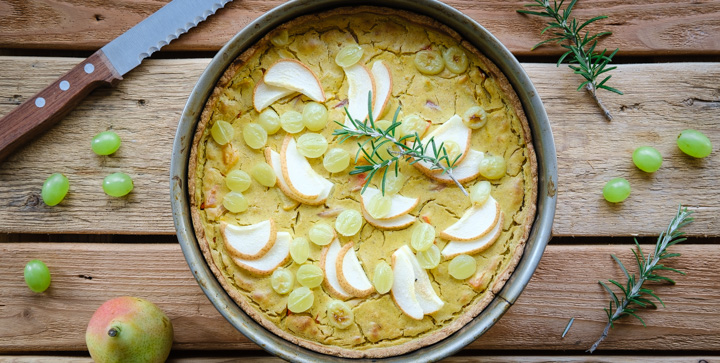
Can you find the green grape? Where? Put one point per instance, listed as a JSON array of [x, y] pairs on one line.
[[348, 223], [480, 192], [269, 120], [339, 314], [311, 145], [314, 116], [647, 159], [492, 167], [299, 250], [37, 276], [411, 125], [430, 258], [453, 151], [238, 181], [429, 62], [616, 190], [423, 237], [383, 277], [54, 189], [349, 55], [321, 234], [264, 174], [254, 135], [462, 267], [282, 281], [336, 160], [222, 132], [310, 276], [292, 122], [117, 184], [105, 143], [475, 117], [455, 60], [694, 143], [280, 39], [235, 202], [393, 182], [300, 299], [379, 205]]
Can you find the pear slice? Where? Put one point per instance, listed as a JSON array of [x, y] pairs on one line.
[[350, 273], [400, 222], [465, 171], [265, 95], [452, 130], [383, 87], [249, 242], [273, 159], [293, 75], [360, 83], [475, 223], [399, 204], [328, 262], [299, 176], [274, 258], [455, 248], [403, 287], [424, 292]]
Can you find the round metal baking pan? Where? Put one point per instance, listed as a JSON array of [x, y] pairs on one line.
[[472, 32]]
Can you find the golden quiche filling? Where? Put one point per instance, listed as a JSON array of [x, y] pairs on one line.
[[326, 175]]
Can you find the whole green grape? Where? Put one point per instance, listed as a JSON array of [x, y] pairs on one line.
[[694, 143], [616, 190], [269, 120], [105, 143], [54, 189], [37, 276], [238, 180], [647, 159], [117, 184]]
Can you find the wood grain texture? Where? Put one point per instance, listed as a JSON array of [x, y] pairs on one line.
[[84, 275], [660, 100], [657, 27]]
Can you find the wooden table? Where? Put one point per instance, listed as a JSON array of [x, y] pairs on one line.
[[98, 247]]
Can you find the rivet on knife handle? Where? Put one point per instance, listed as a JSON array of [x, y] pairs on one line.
[[41, 111]]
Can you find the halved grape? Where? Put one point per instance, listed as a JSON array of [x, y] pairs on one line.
[[349, 222], [430, 258], [412, 124], [280, 39], [336, 160], [492, 167], [300, 299], [480, 192], [105, 143], [235, 202], [321, 234], [238, 181], [311, 145], [310, 276], [462, 267], [393, 182], [269, 120], [282, 281], [254, 135], [55, 189], [222, 132], [429, 62], [299, 250], [647, 159], [423, 236], [314, 116], [37, 276], [694, 143], [452, 149], [616, 190], [264, 174], [378, 206], [475, 117], [292, 122], [349, 55], [455, 59], [382, 125], [117, 184], [383, 277], [339, 314]]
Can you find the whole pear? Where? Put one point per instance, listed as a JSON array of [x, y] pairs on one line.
[[129, 329]]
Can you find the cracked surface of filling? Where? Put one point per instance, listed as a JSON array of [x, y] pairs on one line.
[[380, 328]]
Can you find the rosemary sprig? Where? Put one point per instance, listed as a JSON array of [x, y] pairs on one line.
[[580, 55], [634, 295], [378, 137]]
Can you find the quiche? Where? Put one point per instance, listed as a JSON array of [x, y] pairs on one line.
[[362, 181]]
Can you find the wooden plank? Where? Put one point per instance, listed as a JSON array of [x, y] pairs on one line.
[[660, 100], [658, 27], [564, 286]]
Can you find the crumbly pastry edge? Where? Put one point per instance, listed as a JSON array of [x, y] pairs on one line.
[[530, 201]]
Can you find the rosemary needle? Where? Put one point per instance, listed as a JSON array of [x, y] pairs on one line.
[[569, 324]]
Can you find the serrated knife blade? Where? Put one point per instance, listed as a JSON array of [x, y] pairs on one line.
[[104, 67]]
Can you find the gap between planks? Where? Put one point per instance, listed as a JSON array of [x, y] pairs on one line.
[[564, 286]]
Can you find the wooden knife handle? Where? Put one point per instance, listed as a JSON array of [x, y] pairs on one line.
[[41, 111]]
